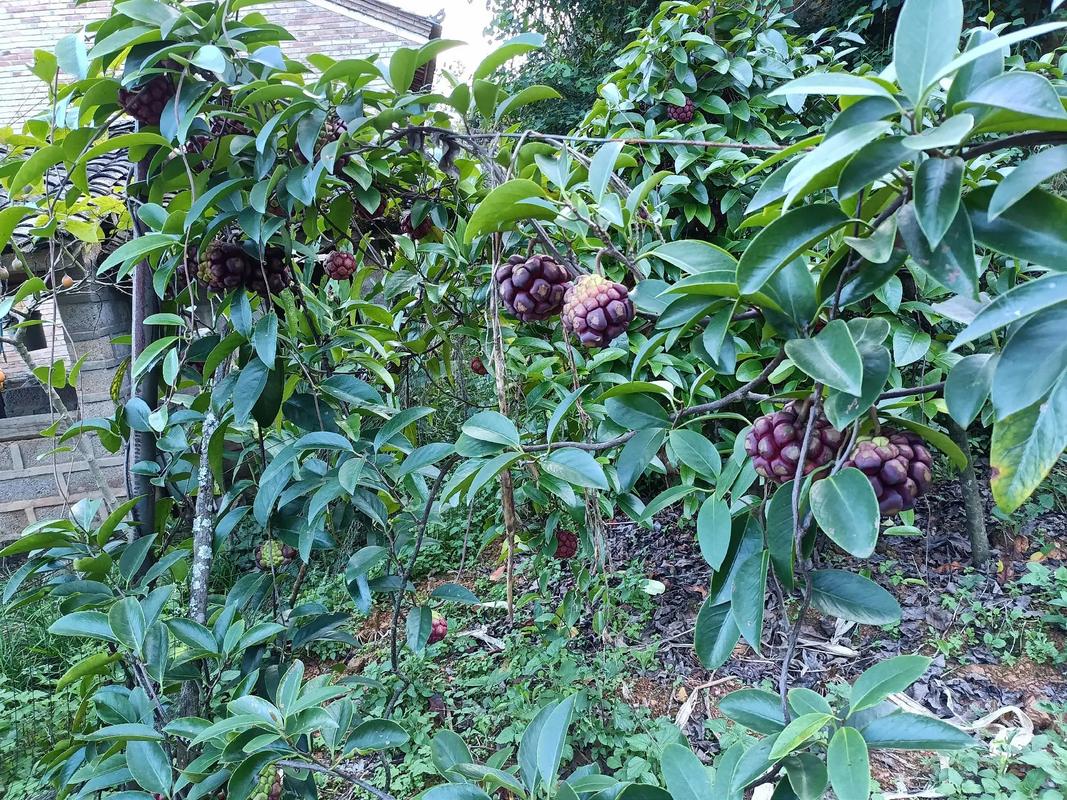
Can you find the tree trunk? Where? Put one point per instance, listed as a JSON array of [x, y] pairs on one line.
[[972, 499]]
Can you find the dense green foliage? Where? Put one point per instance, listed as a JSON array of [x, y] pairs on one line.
[[872, 254]]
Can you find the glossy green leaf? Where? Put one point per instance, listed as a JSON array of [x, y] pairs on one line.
[[841, 408], [696, 452], [418, 627], [506, 204], [904, 731], [1025, 93], [837, 84], [807, 775], [952, 263], [575, 466], [807, 701], [883, 679], [1026, 446], [747, 598], [927, 35], [756, 709], [714, 525], [967, 387], [846, 509], [872, 163], [909, 345], [150, 766], [492, 426], [938, 186], [798, 732], [1032, 229], [1014, 305], [830, 357], [780, 533], [636, 455], [686, 777], [696, 257], [715, 635], [1026, 177], [513, 47], [637, 412], [848, 765], [1031, 363], [552, 739], [783, 240], [373, 735], [850, 596]]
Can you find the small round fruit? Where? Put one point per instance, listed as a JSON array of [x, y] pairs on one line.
[[438, 628], [597, 310], [775, 440], [4, 274], [67, 281], [420, 231], [273, 275], [532, 288], [340, 266], [478, 368], [682, 113], [566, 545], [224, 266], [272, 555], [898, 465], [146, 102]]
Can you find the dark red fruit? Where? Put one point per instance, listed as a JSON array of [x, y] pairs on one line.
[[898, 465], [340, 266], [566, 545], [145, 103], [224, 266], [438, 629], [532, 288], [597, 310], [683, 113], [775, 440], [273, 275], [478, 368], [420, 231]]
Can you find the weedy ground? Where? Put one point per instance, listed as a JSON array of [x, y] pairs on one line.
[[998, 637]]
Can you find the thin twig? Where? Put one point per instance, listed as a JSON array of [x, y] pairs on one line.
[[692, 411]]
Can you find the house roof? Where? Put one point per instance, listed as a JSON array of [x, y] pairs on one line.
[[415, 23], [337, 28]]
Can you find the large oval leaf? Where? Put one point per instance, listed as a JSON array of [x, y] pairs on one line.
[[853, 597], [846, 508]]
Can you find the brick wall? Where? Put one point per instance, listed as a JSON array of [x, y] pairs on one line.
[[338, 28]]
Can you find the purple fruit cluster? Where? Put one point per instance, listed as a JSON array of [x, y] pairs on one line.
[[899, 467], [224, 266], [682, 113], [566, 545], [597, 310], [532, 288], [775, 440], [272, 275], [227, 265], [340, 266], [438, 629], [145, 103], [420, 231]]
